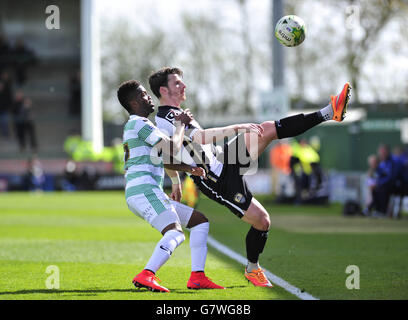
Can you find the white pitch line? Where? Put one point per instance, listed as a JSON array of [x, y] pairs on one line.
[[274, 278]]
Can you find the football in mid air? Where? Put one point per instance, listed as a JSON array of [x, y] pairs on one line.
[[290, 31]]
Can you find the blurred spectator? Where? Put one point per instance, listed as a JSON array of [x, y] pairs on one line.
[[3, 113], [16, 108], [303, 157], [387, 172], [70, 179], [318, 186], [74, 180], [72, 142], [75, 94], [404, 161], [5, 53], [400, 189], [34, 179], [23, 58], [117, 156], [4, 110], [279, 157], [372, 162], [6, 101], [84, 151], [88, 178], [401, 161], [23, 122]]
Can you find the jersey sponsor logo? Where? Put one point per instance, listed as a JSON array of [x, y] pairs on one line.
[[239, 198], [170, 115]]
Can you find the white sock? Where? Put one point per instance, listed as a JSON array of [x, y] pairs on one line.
[[198, 246], [164, 248], [327, 113], [252, 266]]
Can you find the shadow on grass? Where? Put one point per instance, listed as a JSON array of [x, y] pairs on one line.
[[91, 292], [84, 292], [192, 291]]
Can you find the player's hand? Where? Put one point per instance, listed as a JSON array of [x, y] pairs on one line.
[[184, 117], [188, 112], [176, 192], [252, 128], [199, 172]]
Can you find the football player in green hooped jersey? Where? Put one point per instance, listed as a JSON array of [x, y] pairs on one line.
[[144, 145]]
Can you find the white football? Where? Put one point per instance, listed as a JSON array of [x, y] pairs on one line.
[[290, 31]]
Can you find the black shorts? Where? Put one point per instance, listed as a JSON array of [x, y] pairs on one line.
[[230, 189]]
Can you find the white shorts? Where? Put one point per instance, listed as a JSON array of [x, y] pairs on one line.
[[159, 210]]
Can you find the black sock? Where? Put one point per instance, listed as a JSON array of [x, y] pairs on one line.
[[255, 243], [297, 124]]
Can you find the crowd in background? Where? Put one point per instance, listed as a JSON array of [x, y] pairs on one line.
[[16, 117], [72, 178], [387, 176], [296, 165]]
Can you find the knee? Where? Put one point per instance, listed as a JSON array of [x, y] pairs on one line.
[[180, 238], [262, 222], [265, 223], [175, 235]]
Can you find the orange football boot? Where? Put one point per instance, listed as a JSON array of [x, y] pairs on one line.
[[147, 279], [258, 278], [340, 102]]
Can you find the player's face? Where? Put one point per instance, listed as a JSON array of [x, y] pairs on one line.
[[145, 100], [176, 89]]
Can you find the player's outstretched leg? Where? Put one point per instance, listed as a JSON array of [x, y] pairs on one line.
[[256, 215], [295, 125]]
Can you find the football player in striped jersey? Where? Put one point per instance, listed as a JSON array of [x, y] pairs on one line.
[[225, 169], [144, 145]]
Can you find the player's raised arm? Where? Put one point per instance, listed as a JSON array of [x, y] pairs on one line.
[[205, 136], [193, 170]]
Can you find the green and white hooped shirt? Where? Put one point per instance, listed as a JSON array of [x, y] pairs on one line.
[[143, 165]]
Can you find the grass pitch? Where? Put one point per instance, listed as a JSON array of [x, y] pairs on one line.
[[98, 246]]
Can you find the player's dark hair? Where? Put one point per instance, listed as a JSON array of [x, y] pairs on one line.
[[127, 92], [160, 79]]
